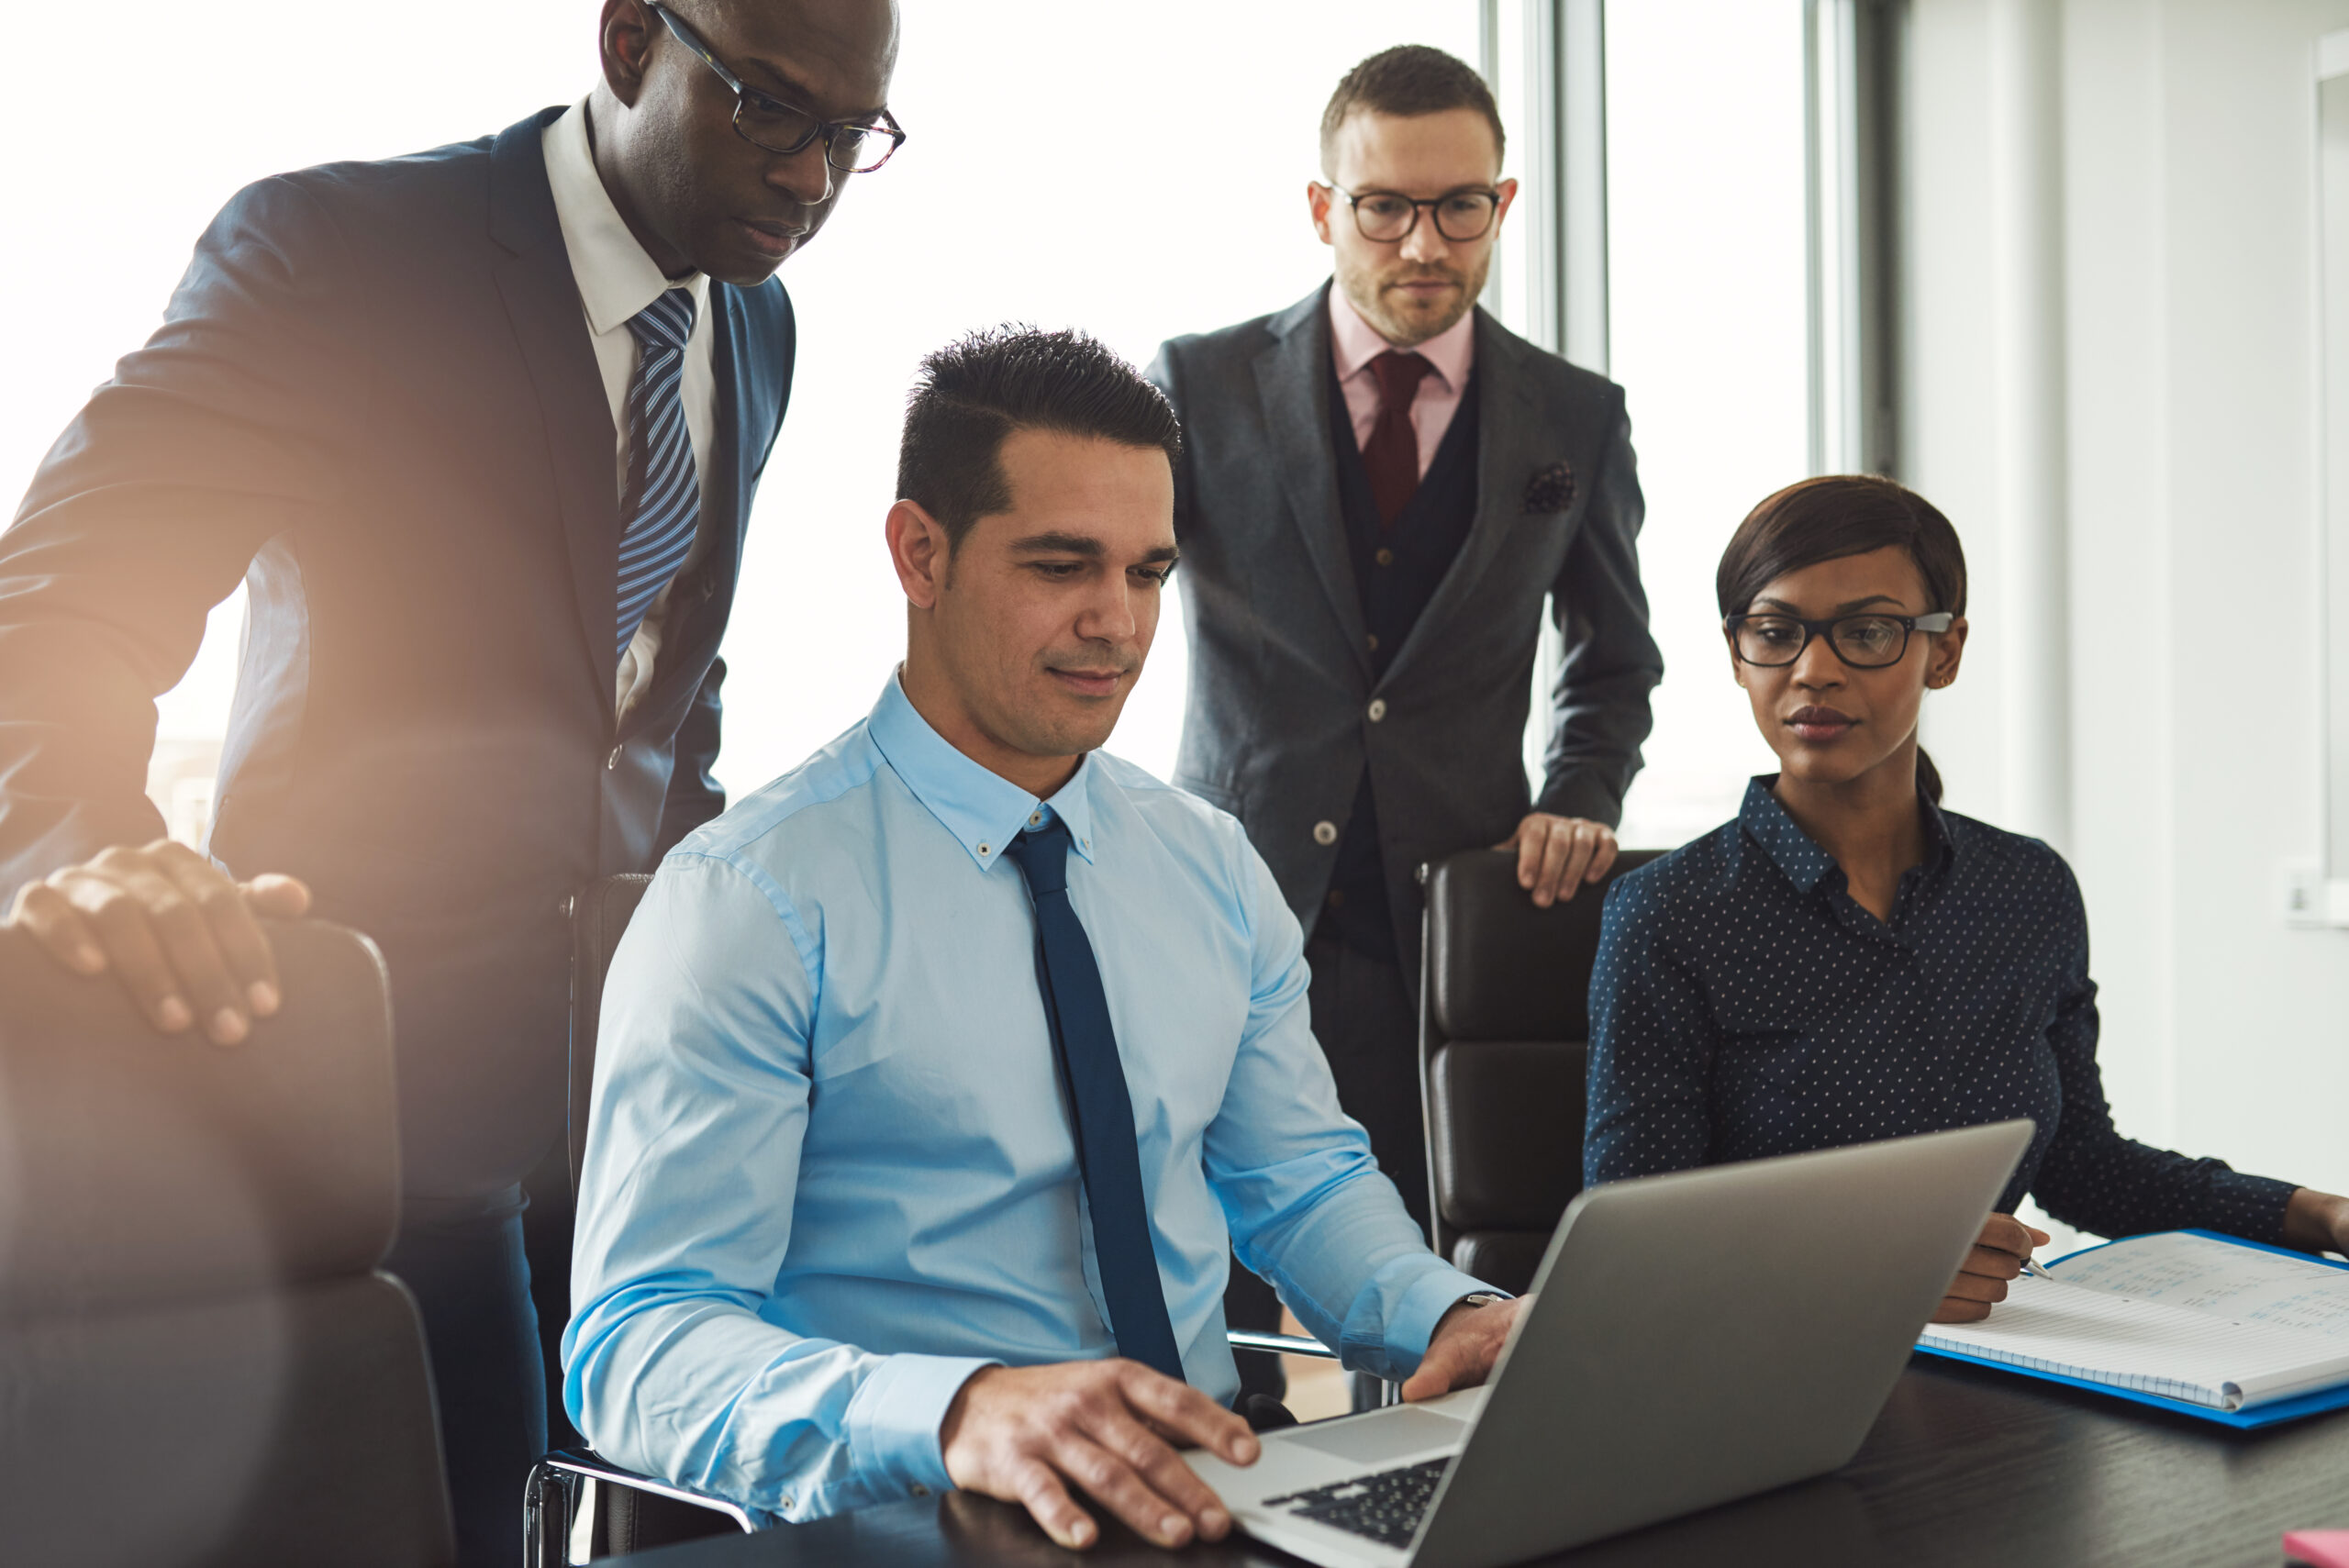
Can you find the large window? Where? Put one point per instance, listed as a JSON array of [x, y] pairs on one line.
[[1705, 191], [1136, 171]]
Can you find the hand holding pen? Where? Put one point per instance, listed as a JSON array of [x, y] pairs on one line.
[[2000, 1254]]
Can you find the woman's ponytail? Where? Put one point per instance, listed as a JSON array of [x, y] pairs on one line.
[[1929, 777]]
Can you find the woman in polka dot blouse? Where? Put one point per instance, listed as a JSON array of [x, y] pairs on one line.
[[1846, 960]]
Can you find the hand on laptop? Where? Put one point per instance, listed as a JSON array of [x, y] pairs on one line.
[[1467, 1342], [1998, 1256], [179, 932], [1023, 1433]]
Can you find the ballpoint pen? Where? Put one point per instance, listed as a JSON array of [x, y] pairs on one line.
[[2031, 1266]]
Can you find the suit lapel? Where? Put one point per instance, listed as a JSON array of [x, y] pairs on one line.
[[542, 302], [1293, 382], [1503, 416]]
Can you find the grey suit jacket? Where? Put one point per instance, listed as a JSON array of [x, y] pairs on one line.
[[1284, 714]]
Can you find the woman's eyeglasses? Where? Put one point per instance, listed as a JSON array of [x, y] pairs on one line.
[[1864, 642]]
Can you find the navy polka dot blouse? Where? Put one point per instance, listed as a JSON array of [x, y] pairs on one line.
[[1745, 1005]]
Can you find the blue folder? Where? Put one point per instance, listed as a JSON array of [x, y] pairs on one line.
[[2273, 1414]]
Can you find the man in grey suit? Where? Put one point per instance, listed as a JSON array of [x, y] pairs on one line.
[[1379, 486]]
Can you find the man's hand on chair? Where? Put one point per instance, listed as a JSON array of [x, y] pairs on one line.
[[1466, 1343], [182, 936], [1024, 1434], [1556, 856]]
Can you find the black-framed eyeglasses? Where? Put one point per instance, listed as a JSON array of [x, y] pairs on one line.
[[1864, 641], [853, 147], [1387, 216]]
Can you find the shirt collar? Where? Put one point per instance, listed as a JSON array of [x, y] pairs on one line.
[[983, 809], [616, 278], [1354, 342], [1795, 852]]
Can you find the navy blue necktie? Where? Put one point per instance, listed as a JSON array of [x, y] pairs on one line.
[[662, 505], [1106, 1154]]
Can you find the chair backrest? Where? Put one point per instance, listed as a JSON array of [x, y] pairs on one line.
[[630, 1518], [1504, 1044], [199, 1362], [599, 916]]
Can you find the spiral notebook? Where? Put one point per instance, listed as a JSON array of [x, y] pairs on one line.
[[2228, 1330]]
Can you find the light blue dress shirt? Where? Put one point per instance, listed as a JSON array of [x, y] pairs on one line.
[[830, 1170]]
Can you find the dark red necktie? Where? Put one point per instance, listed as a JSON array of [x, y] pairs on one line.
[[1392, 453]]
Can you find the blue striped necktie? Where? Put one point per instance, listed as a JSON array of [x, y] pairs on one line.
[[662, 505], [1108, 1155]]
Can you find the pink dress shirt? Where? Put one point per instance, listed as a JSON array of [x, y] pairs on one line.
[[1354, 342]]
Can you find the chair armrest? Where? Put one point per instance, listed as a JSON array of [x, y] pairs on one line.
[[1278, 1344], [549, 1502]]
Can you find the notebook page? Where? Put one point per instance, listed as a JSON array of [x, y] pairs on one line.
[[2152, 1347], [2209, 1276]]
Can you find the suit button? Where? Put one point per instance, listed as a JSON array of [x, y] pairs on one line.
[[1377, 710], [1372, 640], [613, 760], [1325, 832], [1384, 557]]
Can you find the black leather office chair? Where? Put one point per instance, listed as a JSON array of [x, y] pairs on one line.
[[631, 1512], [622, 1511], [1504, 1045], [199, 1362]]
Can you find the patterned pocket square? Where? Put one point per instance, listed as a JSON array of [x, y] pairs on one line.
[[1550, 489]]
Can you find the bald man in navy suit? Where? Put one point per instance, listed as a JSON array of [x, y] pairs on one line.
[[480, 431]]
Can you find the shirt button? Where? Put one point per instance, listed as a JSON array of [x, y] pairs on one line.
[[1035, 817], [1325, 832], [613, 760], [983, 848], [1384, 557], [786, 1501], [1377, 710], [919, 1490]]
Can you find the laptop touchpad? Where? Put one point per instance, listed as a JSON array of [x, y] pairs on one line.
[[1388, 1435]]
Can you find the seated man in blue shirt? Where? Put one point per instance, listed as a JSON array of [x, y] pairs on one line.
[[938, 1076]]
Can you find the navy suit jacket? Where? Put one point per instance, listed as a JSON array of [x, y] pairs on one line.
[[375, 399]]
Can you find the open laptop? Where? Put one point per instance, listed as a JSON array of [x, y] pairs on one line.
[[1694, 1337]]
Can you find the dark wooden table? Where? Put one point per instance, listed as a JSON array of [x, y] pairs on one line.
[[1965, 1466]]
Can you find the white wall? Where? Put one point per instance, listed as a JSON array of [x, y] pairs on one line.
[[2187, 153]]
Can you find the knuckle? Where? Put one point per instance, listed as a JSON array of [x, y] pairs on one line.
[[109, 904]]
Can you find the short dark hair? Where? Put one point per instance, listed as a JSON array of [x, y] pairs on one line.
[[972, 393], [1406, 80], [1838, 514]]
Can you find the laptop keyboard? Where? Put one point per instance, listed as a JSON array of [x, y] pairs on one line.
[[1386, 1507]]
